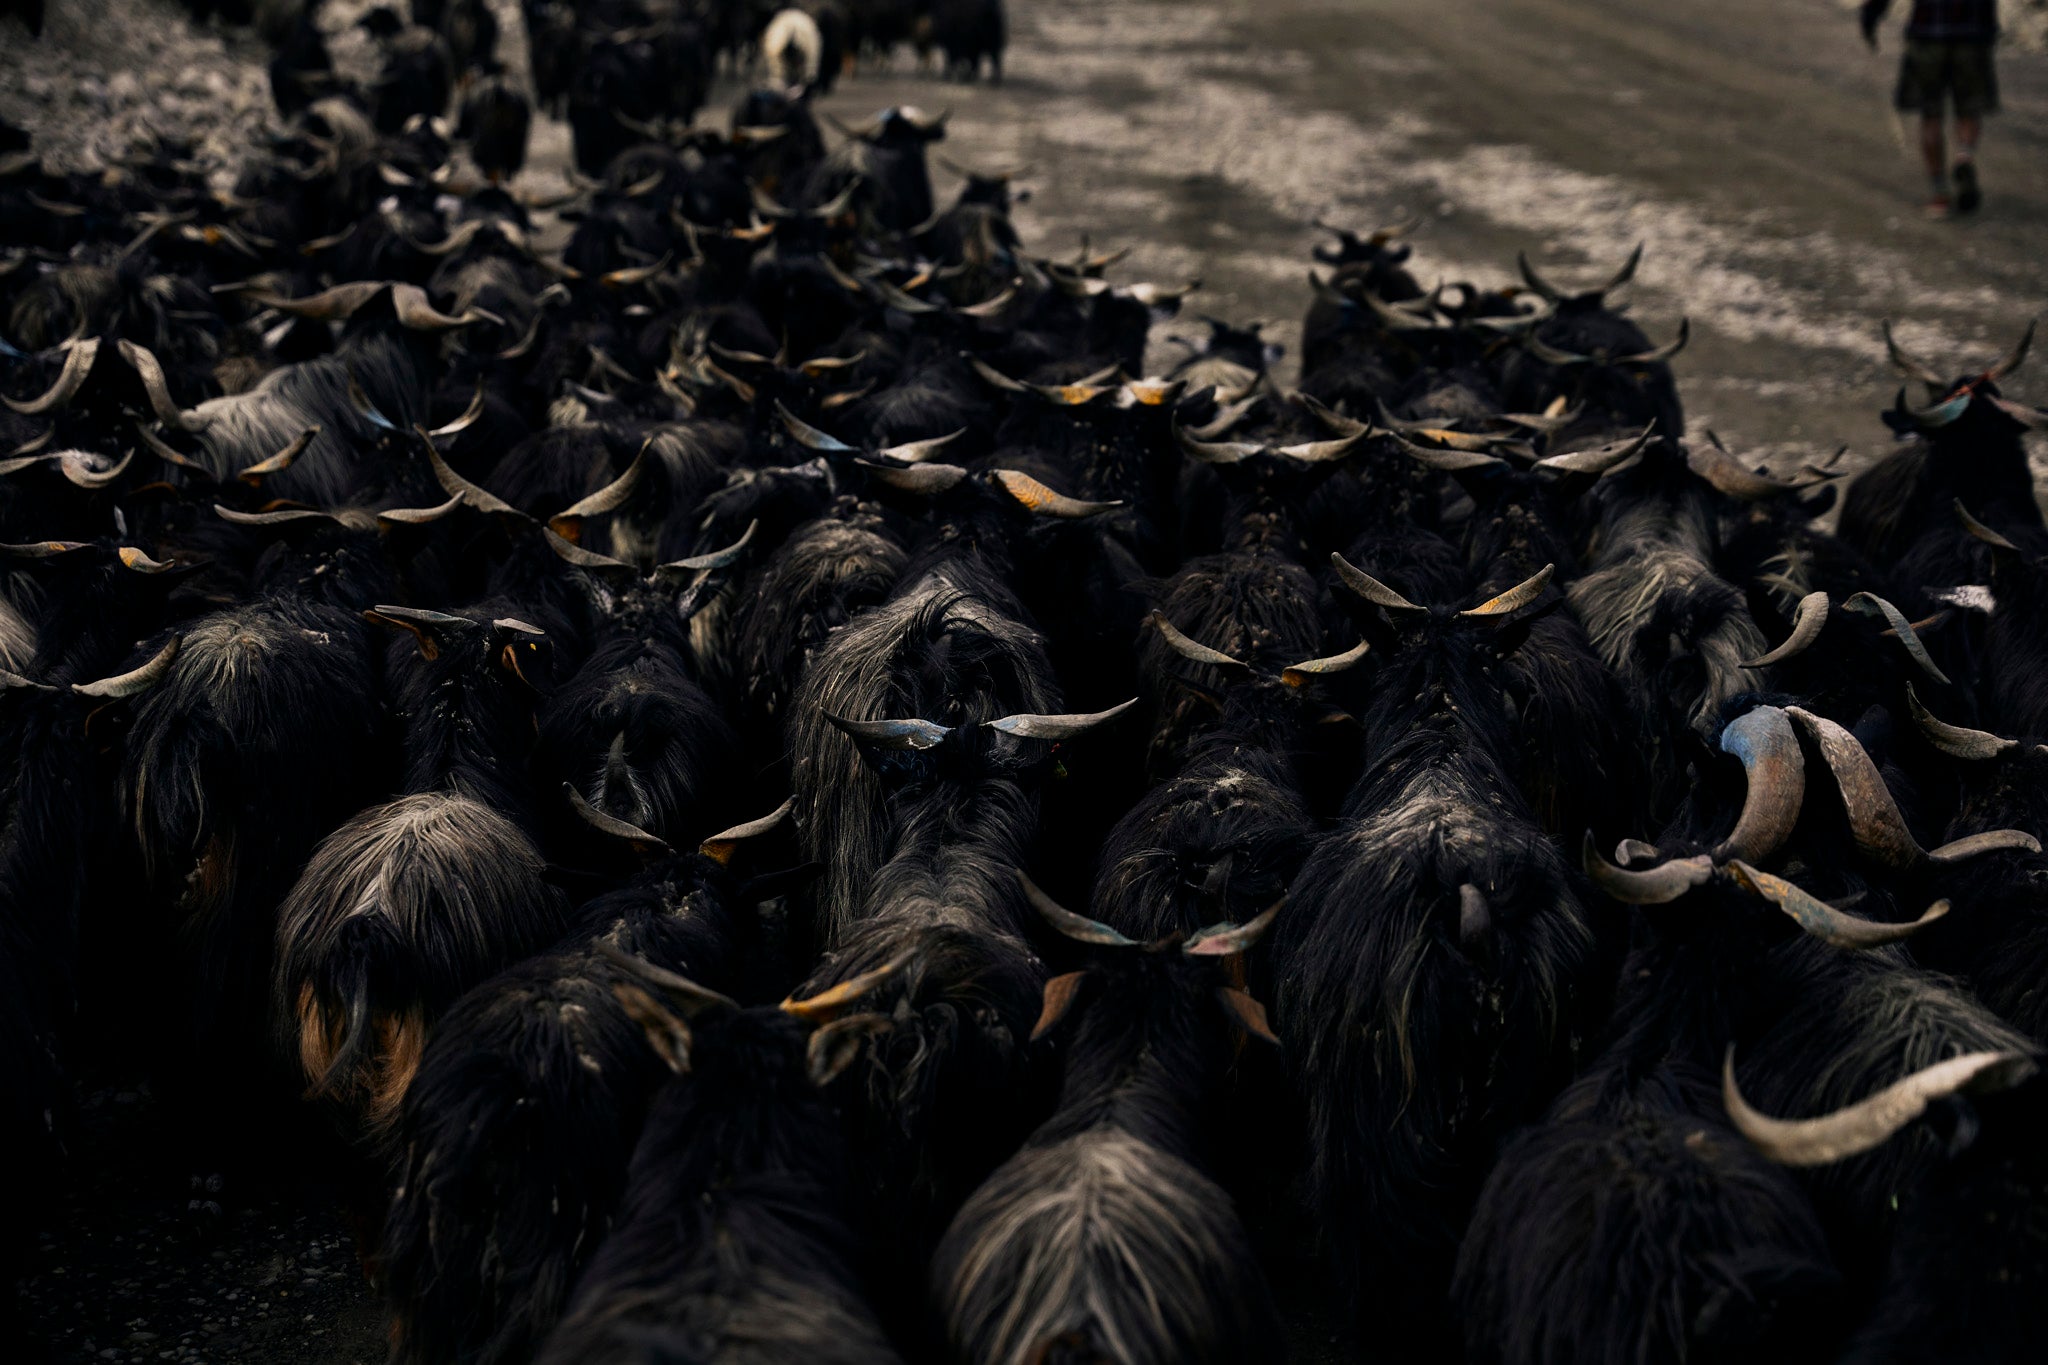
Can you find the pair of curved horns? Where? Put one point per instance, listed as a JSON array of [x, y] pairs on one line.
[[1216, 940], [1874, 820], [78, 362], [1294, 675], [1552, 294], [1236, 452], [919, 734], [1915, 368]]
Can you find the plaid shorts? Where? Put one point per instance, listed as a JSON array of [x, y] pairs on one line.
[[1931, 74]]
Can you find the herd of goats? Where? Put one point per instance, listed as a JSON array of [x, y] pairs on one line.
[[462, 664]]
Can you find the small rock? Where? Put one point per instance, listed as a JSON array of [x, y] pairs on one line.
[[124, 88]]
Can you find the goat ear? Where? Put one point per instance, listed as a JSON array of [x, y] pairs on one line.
[[666, 1033], [1059, 998], [838, 1044], [1247, 1013]]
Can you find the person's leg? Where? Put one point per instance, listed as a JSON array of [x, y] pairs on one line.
[[1934, 153], [1968, 194], [1934, 143], [1976, 94]]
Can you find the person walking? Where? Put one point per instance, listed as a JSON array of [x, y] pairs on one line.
[[1947, 61]]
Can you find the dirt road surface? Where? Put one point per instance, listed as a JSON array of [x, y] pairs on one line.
[[1748, 144]]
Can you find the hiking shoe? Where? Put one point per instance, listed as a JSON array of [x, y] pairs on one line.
[[1968, 195], [1938, 207]]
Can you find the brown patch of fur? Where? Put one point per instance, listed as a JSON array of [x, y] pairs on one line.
[[319, 1038], [400, 1041]]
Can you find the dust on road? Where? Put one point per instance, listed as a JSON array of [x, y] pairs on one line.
[[1749, 143]]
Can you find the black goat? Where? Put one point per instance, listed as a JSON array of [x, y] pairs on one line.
[[1104, 1238]]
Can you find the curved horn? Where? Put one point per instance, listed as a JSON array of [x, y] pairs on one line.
[[133, 558], [1600, 459], [1623, 276], [808, 436], [1634, 851], [136, 681], [1551, 355], [469, 414], [1869, 604], [639, 274], [1874, 819], [80, 468], [572, 553], [609, 498], [1982, 532], [1938, 415], [1064, 727], [1909, 365], [417, 516], [1808, 620], [1044, 501], [1954, 740], [1298, 675], [719, 847], [473, 495], [1227, 940], [1654, 886], [915, 733], [606, 823], [1769, 752], [1077, 927], [1192, 649], [995, 376], [2012, 359], [1548, 291], [1823, 921], [693, 998], [917, 452], [1659, 354], [717, 559], [1363, 584], [1514, 599], [1728, 475], [329, 305], [288, 517], [77, 365], [1335, 422], [256, 473], [1214, 452], [1451, 461], [834, 1001], [144, 363], [923, 480], [1870, 1122]]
